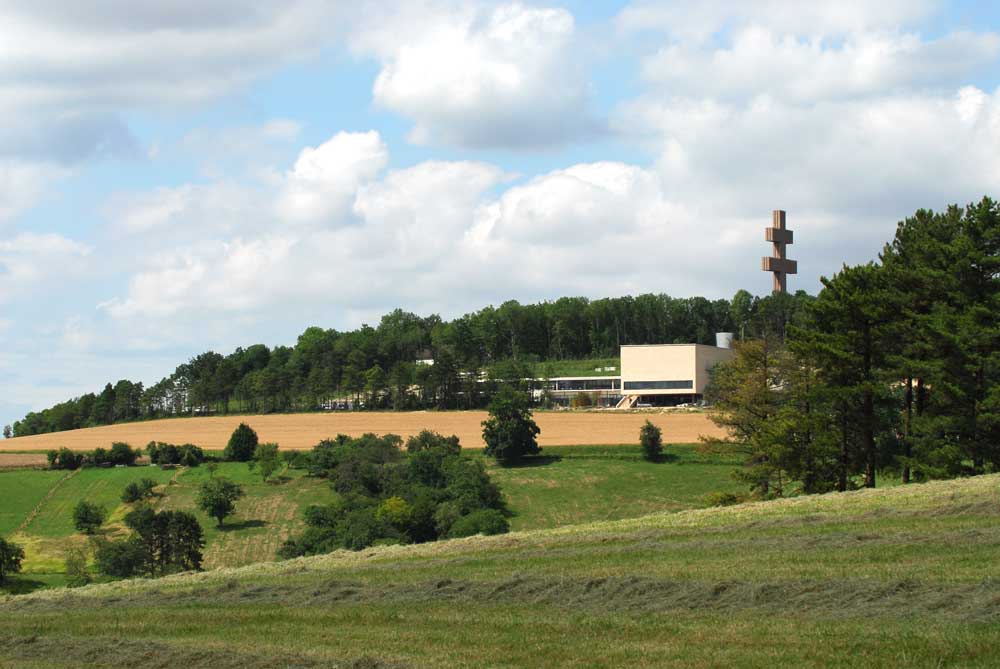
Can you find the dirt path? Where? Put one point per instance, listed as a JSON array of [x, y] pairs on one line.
[[302, 431]]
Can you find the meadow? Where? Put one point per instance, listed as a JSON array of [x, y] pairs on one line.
[[904, 576], [543, 494]]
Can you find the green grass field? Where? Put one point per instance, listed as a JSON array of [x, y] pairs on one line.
[[543, 495], [618, 484], [905, 576]]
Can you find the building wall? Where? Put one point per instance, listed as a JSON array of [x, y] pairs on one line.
[[668, 369]]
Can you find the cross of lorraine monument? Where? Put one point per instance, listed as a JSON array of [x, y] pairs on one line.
[[777, 263]]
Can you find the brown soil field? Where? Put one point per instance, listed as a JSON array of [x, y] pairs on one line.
[[303, 431], [19, 460]]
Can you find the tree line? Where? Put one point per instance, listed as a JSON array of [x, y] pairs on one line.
[[379, 367], [894, 367]]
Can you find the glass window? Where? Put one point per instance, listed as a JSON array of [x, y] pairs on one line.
[[659, 385]]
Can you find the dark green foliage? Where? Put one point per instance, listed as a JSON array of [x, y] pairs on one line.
[[378, 365], [64, 459], [510, 432], [894, 366], [122, 454], [88, 517], [242, 444], [8, 432], [389, 497], [217, 497], [121, 559], [651, 442], [484, 521], [170, 541], [138, 490], [188, 455], [11, 555]]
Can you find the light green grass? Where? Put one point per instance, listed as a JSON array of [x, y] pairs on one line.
[[20, 491], [877, 578], [617, 481], [269, 513], [586, 367], [98, 485]]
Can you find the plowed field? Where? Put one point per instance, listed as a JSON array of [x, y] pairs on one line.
[[302, 431]]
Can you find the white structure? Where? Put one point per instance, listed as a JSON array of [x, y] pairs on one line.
[[655, 374], [669, 369]]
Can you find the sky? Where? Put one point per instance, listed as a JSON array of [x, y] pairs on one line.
[[184, 176]]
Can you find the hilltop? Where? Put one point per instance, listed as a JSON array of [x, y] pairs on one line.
[[887, 577]]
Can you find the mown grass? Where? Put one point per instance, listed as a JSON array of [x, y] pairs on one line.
[[617, 481], [20, 491], [269, 513], [899, 577]]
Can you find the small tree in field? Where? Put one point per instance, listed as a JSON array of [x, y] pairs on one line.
[[7, 432], [510, 432], [266, 460], [217, 497], [88, 517], [10, 558], [651, 441], [242, 444]]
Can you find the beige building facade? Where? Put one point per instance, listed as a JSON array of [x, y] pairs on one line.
[[669, 369]]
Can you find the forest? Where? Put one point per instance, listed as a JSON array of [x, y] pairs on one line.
[[894, 367], [379, 367]]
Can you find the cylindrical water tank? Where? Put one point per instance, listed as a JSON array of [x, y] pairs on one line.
[[724, 339]]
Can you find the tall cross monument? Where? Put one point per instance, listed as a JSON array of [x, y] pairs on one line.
[[777, 263]]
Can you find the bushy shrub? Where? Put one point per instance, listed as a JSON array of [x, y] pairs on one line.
[[510, 432], [121, 559], [88, 517], [122, 454], [651, 442], [388, 498], [77, 574], [161, 453], [11, 556], [719, 498], [138, 490], [64, 459], [242, 444], [484, 521]]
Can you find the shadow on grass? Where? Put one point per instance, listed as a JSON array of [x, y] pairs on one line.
[[21, 586], [279, 480], [242, 525], [535, 461], [666, 458]]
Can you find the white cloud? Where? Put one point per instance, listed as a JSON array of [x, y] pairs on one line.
[[323, 181], [762, 62], [474, 76], [32, 262], [67, 72], [701, 20], [22, 184]]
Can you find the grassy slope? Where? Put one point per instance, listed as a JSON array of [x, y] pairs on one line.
[[896, 577], [619, 485]]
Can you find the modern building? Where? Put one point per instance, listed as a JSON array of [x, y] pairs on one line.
[[650, 375]]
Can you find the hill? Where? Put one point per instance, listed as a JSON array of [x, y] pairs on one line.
[[302, 431], [38, 504], [896, 577]]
